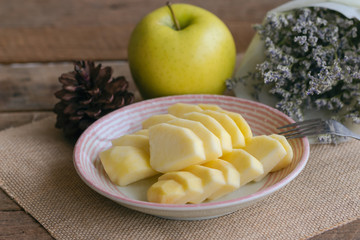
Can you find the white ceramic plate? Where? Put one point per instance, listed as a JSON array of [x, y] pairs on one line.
[[261, 118]]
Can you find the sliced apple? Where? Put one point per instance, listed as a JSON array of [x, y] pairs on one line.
[[241, 123], [139, 141], [179, 109], [126, 164], [237, 138], [215, 127], [212, 180], [166, 191], [247, 165], [238, 119], [211, 143], [267, 150], [156, 119], [191, 184], [231, 175], [210, 107], [173, 148], [144, 132], [285, 161]]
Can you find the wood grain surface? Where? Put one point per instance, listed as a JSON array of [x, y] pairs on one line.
[[52, 31]]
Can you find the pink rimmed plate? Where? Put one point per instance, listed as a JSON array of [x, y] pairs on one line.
[[261, 118]]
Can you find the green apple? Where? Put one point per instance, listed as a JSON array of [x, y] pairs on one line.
[[197, 58]]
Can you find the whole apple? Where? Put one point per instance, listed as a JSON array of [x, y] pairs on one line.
[[197, 58]]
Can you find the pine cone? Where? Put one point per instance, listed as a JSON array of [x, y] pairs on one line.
[[88, 93]]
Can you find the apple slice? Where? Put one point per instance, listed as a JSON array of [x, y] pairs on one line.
[[173, 148], [139, 141], [241, 123], [215, 127], [210, 107], [191, 184], [285, 161], [212, 180], [179, 109], [267, 150], [144, 132], [166, 191], [238, 119], [126, 164], [211, 143], [231, 175], [237, 138], [156, 119], [247, 165]]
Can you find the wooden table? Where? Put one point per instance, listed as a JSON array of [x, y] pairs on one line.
[[26, 89]]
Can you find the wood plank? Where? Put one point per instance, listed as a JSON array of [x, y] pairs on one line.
[[89, 29], [6, 203], [15, 223], [19, 225], [350, 231], [31, 87]]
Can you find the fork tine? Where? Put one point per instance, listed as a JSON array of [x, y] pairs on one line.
[[302, 133], [316, 127], [310, 121], [302, 128], [296, 136]]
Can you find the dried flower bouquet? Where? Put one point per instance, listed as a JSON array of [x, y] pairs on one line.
[[305, 57]]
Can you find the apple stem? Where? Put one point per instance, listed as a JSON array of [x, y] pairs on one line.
[[177, 25]]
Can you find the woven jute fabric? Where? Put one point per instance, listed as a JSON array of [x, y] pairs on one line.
[[38, 172]]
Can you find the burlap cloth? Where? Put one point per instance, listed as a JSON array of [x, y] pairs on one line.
[[37, 171]]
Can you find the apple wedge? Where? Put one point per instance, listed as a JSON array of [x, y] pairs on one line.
[[237, 138], [139, 141], [214, 126], [126, 164], [231, 175], [144, 132], [191, 184], [238, 119], [212, 180], [179, 109], [285, 161], [213, 107], [247, 165], [173, 148], [211, 143], [166, 191], [241, 123], [156, 119], [267, 150]]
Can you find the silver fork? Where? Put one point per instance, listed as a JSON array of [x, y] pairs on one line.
[[316, 127]]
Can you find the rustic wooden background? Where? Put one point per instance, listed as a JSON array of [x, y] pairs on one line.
[[38, 39], [36, 30]]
